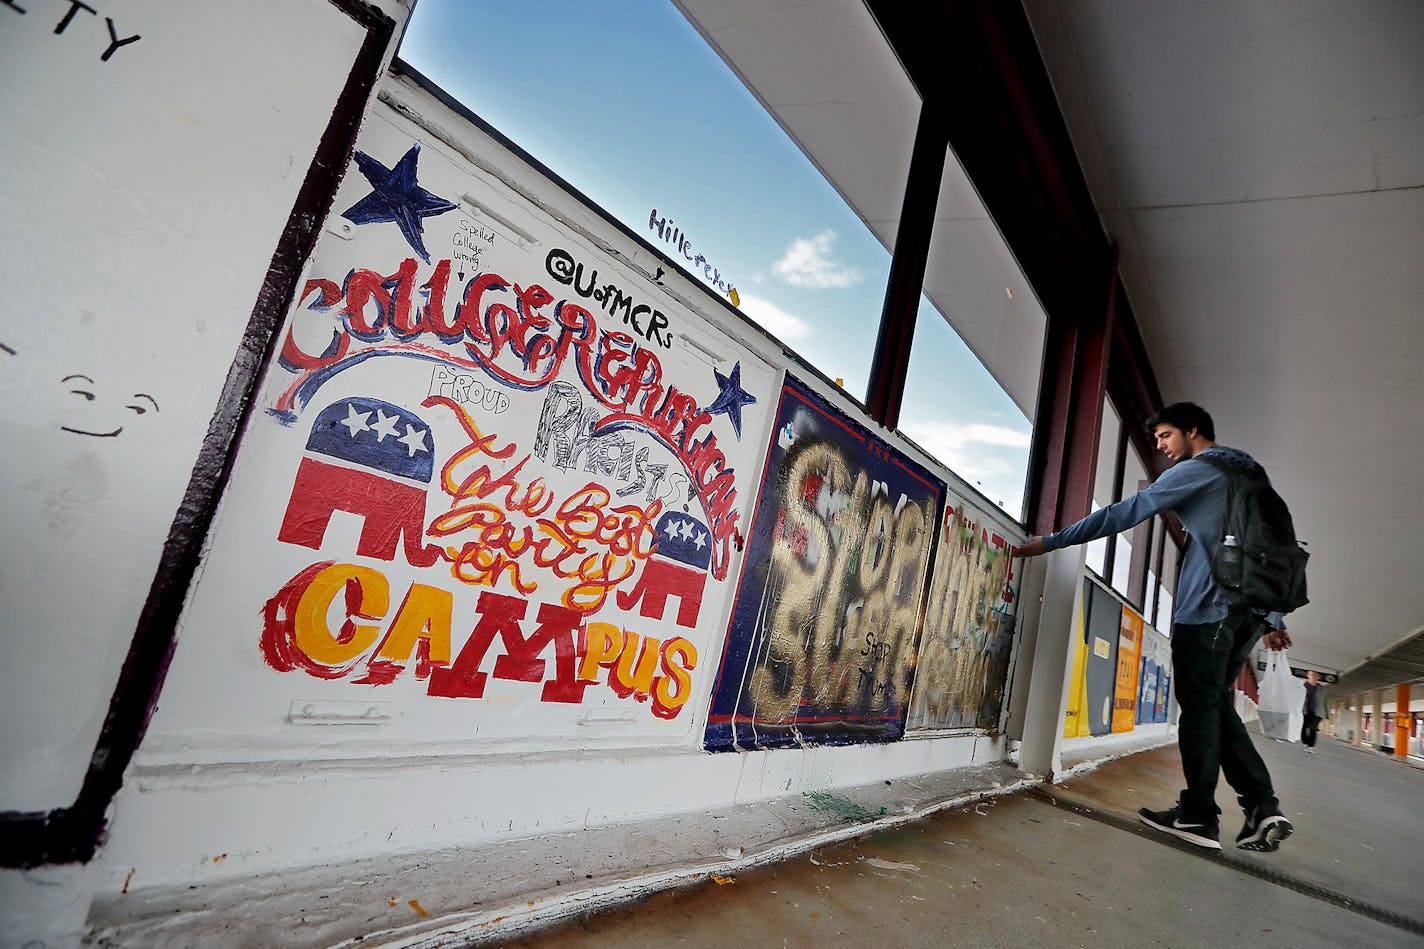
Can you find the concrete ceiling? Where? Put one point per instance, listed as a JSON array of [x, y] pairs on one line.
[[1261, 167]]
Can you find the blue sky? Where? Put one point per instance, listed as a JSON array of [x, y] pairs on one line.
[[625, 101]]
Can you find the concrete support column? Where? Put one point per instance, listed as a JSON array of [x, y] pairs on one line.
[[1402, 721], [1376, 717], [1052, 661], [1359, 703], [1030, 574]]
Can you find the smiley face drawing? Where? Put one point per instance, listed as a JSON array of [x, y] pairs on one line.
[[96, 417]]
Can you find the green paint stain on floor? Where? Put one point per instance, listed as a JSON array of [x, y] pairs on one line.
[[842, 808]]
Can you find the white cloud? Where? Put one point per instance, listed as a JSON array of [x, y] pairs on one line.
[[992, 458], [809, 262], [774, 319], [983, 434]]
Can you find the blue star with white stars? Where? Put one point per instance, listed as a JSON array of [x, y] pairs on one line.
[[397, 197], [731, 398]]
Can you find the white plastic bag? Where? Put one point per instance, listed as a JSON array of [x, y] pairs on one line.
[[1282, 696]]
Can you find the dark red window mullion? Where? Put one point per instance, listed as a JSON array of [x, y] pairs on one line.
[[886, 389]]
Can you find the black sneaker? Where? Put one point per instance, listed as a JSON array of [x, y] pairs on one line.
[[1264, 830], [1201, 833]]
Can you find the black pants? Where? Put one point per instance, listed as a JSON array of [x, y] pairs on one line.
[[1308, 730], [1206, 660]]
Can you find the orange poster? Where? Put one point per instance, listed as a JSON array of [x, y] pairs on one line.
[[1129, 651]]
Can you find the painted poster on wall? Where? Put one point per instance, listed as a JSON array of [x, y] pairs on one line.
[[1104, 627], [962, 670], [821, 643], [1146, 680], [1075, 719], [497, 485], [1160, 647], [1129, 651]]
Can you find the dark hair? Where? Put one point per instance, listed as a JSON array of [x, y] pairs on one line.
[[1185, 416]]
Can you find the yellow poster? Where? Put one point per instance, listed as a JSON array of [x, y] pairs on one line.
[[1075, 723], [1129, 652]]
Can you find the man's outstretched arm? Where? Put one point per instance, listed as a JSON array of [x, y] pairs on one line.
[[1174, 487], [1104, 522]]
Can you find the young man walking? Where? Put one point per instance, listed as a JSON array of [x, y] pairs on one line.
[[1210, 638]]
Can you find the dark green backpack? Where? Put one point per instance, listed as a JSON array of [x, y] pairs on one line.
[[1260, 564]]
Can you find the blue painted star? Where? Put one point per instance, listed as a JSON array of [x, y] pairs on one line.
[[732, 397], [397, 198]]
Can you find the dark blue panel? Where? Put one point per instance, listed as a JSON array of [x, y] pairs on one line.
[[821, 644], [1104, 624]]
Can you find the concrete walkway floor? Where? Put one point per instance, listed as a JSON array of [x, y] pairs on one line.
[[1069, 865]]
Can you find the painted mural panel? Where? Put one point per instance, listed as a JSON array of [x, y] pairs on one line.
[[1075, 719], [963, 664], [1147, 680], [1104, 626], [497, 485], [821, 644], [1129, 651], [1156, 648]]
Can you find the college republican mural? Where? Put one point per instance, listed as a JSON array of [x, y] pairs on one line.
[[491, 477]]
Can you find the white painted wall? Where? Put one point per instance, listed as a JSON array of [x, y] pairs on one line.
[[143, 199], [147, 184]]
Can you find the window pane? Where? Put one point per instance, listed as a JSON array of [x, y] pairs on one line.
[[972, 384], [1122, 562], [1170, 555], [956, 411], [1095, 552], [1154, 580], [1107, 456], [1103, 479], [652, 126], [1134, 479], [1169, 583], [1153, 594]]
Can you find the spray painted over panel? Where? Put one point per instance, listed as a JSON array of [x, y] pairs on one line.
[[495, 492], [821, 646], [962, 673]]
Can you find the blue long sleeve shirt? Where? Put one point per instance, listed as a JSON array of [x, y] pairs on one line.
[[1196, 492]]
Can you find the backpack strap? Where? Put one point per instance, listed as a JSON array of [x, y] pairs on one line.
[[1231, 472]]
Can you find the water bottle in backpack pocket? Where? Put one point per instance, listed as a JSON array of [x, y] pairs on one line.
[[1260, 565]]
